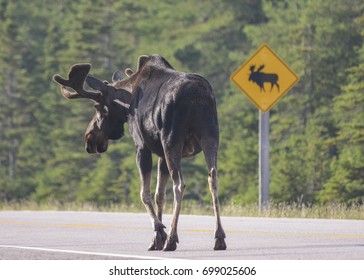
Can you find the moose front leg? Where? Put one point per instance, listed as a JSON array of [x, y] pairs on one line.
[[144, 162]]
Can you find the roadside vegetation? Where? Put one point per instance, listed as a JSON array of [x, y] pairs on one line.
[[281, 210], [317, 129]]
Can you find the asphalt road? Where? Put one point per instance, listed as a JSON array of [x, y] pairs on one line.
[[31, 235]]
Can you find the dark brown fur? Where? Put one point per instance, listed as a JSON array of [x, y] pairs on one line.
[[169, 113]]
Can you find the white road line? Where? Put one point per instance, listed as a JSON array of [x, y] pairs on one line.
[[84, 253]]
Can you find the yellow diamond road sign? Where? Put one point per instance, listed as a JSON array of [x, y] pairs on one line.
[[264, 78]]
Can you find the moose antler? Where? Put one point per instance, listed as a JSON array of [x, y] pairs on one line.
[[260, 67], [76, 77]]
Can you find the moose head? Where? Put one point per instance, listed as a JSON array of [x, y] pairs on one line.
[[254, 73], [111, 104], [260, 78]]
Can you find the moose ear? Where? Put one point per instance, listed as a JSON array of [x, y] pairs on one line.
[[141, 60], [129, 72], [97, 84], [117, 76]]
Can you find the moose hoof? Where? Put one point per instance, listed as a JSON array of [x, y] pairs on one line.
[[171, 244], [220, 244], [158, 241]]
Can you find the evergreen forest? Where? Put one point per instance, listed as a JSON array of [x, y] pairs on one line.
[[316, 130]]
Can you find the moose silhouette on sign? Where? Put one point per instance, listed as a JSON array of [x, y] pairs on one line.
[[260, 78]]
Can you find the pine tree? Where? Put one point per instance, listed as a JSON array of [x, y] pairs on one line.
[[305, 34], [347, 181]]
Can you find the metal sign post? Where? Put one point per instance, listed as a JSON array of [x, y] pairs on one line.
[[264, 171], [264, 78]]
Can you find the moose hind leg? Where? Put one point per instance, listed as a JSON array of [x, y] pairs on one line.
[[209, 143], [178, 189], [173, 157], [160, 236], [160, 194], [219, 231], [277, 86]]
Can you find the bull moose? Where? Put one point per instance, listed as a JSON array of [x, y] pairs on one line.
[[170, 113], [260, 78]]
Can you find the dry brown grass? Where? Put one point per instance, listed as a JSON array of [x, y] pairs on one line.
[[281, 210]]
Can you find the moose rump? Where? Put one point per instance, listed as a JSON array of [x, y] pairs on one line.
[[188, 117]]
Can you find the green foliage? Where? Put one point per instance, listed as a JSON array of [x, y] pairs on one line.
[[319, 40], [317, 133], [347, 181], [238, 157]]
